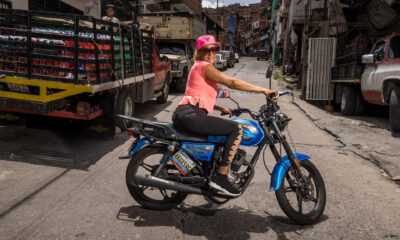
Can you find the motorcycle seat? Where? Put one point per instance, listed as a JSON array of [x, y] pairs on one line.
[[168, 131], [181, 136]]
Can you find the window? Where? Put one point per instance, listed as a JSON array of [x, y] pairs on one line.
[[5, 4], [394, 48], [172, 48], [379, 50]]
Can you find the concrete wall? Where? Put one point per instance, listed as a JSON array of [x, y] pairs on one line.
[[89, 7], [20, 4]]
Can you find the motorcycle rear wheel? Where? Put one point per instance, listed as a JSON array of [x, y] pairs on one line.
[[315, 194], [148, 158]]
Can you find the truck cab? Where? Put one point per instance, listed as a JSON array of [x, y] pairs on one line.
[[180, 54], [380, 81]]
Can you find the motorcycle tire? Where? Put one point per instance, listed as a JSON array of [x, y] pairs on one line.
[[136, 192], [320, 199]]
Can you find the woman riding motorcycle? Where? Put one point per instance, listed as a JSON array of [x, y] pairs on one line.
[[202, 89]]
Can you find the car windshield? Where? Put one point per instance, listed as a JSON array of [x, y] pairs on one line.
[[172, 48], [225, 54], [262, 52]]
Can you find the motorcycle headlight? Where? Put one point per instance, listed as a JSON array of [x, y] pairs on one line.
[[281, 121], [174, 65]]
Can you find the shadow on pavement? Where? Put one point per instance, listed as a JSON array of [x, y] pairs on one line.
[[61, 142], [232, 223], [54, 147]]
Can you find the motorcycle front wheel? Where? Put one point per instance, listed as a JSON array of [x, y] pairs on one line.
[[303, 204], [146, 161]]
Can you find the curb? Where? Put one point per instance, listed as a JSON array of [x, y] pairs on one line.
[[391, 171]]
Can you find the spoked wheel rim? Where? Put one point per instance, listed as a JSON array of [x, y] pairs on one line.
[[299, 196], [303, 202], [155, 194], [343, 101], [128, 110], [128, 107], [166, 89]]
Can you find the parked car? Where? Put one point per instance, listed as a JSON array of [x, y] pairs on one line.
[[229, 56], [236, 57], [220, 62], [262, 54]]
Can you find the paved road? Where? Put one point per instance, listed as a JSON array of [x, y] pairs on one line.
[[56, 184]]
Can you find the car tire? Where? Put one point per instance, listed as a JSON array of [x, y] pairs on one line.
[[258, 59], [394, 109], [164, 91], [361, 104], [348, 101], [180, 83], [125, 106]]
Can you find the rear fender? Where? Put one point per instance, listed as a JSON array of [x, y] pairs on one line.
[[280, 169], [136, 147]]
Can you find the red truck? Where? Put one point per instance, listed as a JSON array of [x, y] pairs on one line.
[[77, 67], [372, 78]]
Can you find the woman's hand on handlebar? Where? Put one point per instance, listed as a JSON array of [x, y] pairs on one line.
[[271, 94], [225, 111]]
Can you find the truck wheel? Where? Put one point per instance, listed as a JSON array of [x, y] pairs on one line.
[[394, 112], [348, 101], [125, 106], [165, 91], [360, 104], [180, 83]]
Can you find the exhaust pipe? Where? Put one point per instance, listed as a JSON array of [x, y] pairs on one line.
[[148, 180]]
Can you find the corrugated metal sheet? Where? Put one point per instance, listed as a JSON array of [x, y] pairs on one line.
[[381, 14], [321, 59]]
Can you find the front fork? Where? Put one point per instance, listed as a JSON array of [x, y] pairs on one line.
[[293, 161]]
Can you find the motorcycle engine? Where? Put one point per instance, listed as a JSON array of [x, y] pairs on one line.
[[238, 160]]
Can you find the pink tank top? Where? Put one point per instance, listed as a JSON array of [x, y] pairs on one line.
[[200, 90]]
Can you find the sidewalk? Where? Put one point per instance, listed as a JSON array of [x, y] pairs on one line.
[[367, 137]]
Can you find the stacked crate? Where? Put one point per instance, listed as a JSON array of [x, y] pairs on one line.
[[71, 48]]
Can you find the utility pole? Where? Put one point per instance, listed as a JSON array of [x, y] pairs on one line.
[[305, 49], [218, 17]]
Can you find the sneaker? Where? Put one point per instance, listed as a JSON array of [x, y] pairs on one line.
[[221, 182]]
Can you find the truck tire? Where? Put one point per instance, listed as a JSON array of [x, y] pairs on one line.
[[165, 91], [348, 101], [125, 106], [361, 104], [180, 83], [394, 111]]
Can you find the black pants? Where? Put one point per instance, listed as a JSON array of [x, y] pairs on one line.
[[193, 119]]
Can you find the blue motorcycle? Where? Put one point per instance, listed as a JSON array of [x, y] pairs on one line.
[[166, 164]]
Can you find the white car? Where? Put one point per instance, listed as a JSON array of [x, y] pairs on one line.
[[220, 62]]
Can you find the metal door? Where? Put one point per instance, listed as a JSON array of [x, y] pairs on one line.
[[321, 59]]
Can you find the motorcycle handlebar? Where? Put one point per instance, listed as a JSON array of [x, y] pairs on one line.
[[284, 93]]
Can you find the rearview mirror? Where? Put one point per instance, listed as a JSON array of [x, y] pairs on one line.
[[223, 94], [367, 58]]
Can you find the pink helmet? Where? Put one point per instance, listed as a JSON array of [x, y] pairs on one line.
[[206, 40]]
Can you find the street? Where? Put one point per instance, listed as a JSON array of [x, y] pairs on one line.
[[57, 184]]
